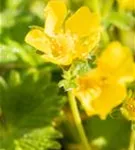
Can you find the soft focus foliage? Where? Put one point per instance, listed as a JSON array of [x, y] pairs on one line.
[[25, 103]]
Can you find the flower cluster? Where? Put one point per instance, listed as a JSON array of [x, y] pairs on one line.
[[104, 87], [67, 38]]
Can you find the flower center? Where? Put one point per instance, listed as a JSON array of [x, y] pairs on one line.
[[57, 48], [130, 106], [62, 44]]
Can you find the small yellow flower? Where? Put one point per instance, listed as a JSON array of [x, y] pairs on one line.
[[127, 4], [103, 88], [65, 39], [128, 109]]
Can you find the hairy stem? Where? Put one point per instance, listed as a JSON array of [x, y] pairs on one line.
[[132, 137], [77, 120]]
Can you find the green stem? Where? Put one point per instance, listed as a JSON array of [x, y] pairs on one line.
[[107, 8], [77, 120], [132, 137], [105, 37]]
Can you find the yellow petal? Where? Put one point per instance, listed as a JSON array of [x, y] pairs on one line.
[[127, 4], [111, 96], [83, 22], [85, 46], [61, 60], [116, 60], [55, 12], [98, 96], [112, 57], [62, 48], [88, 88], [126, 72], [38, 39]]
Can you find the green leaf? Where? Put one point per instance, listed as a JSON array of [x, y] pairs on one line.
[[28, 107], [14, 4], [79, 67], [14, 78], [23, 54], [39, 139], [131, 86], [7, 54], [121, 20], [13, 52], [109, 134], [67, 84], [7, 15]]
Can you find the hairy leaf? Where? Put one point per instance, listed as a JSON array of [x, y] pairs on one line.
[[28, 104]]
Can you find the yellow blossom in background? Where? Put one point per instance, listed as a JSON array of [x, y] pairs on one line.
[[127, 4], [65, 38], [117, 61], [128, 109], [104, 87]]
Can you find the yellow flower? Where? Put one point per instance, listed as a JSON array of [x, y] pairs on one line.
[[64, 39], [117, 61], [127, 4], [128, 109], [103, 88]]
